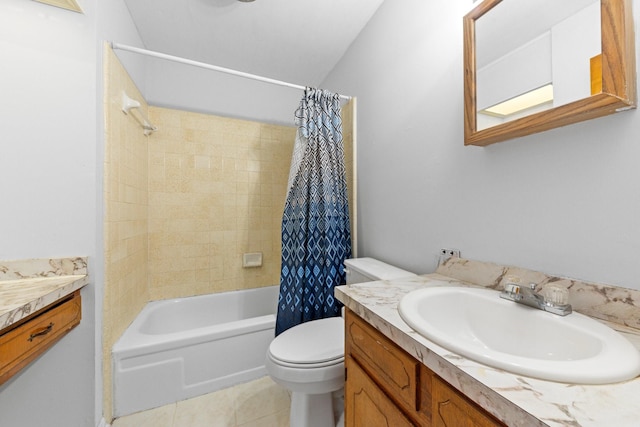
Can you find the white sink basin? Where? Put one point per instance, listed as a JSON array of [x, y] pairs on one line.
[[478, 324]]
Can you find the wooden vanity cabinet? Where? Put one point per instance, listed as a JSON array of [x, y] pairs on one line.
[[368, 405], [24, 341], [385, 386], [452, 409]]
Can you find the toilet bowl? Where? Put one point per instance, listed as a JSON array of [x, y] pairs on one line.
[[308, 359]]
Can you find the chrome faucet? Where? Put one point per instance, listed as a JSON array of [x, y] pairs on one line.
[[555, 303]]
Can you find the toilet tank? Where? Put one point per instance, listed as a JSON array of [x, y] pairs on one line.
[[361, 270]]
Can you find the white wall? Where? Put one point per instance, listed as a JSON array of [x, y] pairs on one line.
[[47, 184], [47, 164], [175, 85], [51, 185], [566, 201], [171, 84]]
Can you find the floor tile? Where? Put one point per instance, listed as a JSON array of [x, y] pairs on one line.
[[259, 399], [279, 419], [259, 403], [157, 417], [210, 410]]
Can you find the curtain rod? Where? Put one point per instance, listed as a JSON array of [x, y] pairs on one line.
[[209, 66]]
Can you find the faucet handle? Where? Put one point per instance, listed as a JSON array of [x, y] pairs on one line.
[[556, 295], [512, 288], [511, 292]]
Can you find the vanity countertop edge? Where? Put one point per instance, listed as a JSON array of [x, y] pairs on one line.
[[514, 399], [21, 297]]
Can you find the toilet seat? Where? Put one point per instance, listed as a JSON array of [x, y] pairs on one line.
[[307, 365], [313, 344]]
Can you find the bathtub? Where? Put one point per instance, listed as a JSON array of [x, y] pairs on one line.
[[181, 348]]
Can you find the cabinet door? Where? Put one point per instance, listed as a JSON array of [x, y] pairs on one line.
[[450, 409], [391, 367], [366, 405]]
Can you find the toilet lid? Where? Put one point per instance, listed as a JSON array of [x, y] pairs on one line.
[[316, 341]]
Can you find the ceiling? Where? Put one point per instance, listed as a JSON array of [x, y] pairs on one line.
[[298, 41]]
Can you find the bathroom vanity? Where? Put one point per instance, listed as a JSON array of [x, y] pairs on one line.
[[39, 303], [397, 377], [387, 386]]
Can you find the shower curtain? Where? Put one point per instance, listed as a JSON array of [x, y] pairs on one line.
[[316, 236]]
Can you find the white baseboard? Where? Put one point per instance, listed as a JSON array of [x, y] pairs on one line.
[[103, 423]]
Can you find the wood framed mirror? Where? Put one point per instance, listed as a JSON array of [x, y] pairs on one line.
[[504, 60]]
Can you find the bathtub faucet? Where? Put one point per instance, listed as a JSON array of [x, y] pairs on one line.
[[555, 302]]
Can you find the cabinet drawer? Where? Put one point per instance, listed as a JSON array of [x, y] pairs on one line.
[[394, 370], [366, 405], [22, 344]]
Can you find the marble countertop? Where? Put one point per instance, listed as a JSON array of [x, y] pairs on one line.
[[27, 286], [515, 399], [20, 298]]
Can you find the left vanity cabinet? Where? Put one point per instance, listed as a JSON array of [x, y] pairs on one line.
[[39, 304], [23, 341]]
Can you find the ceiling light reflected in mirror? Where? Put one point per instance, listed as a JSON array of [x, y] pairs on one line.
[[535, 98], [64, 4]]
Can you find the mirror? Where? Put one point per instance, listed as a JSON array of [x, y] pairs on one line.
[[523, 69], [533, 65]]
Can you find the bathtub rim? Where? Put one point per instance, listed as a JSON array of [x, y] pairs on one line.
[[134, 343], [140, 344]]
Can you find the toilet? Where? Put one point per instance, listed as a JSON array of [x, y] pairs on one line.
[[308, 359]]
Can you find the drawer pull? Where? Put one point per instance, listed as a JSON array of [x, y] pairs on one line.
[[43, 331]]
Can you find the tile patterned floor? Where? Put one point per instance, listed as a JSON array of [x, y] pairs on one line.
[[260, 403]]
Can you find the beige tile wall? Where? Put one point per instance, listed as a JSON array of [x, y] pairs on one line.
[[126, 212], [216, 191], [349, 140]]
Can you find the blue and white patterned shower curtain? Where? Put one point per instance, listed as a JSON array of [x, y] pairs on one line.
[[316, 236]]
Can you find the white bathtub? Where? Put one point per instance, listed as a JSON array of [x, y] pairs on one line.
[[181, 348]]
